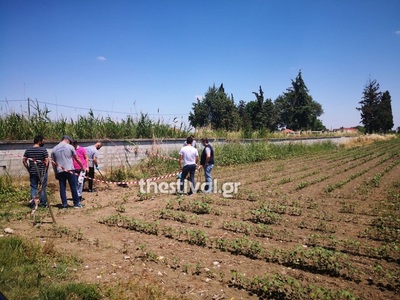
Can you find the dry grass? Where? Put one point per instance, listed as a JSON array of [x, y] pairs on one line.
[[363, 140]]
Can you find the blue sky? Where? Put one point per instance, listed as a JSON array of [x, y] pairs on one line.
[[156, 56]]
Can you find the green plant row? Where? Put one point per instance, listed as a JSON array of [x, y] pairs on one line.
[[285, 287], [315, 259]]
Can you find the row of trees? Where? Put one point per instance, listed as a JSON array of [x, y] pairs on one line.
[[294, 109]]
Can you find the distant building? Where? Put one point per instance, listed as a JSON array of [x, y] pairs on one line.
[[288, 131], [346, 130]]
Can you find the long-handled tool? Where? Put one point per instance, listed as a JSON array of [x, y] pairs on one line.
[[36, 199], [102, 177], [199, 178]]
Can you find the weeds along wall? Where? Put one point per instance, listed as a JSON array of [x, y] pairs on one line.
[[119, 153], [113, 154]]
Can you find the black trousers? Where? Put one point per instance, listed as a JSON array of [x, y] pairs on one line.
[[90, 175], [188, 169]]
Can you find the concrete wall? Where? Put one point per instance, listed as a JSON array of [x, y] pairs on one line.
[[112, 154], [118, 153]]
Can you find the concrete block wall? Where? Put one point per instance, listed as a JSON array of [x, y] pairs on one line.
[[119, 153], [113, 154]]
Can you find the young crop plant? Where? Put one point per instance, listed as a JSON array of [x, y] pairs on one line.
[[352, 246], [131, 223], [302, 185], [218, 211], [264, 216], [263, 230], [324, 226], [168, 214], [277, 208], [385, 278], [197, 237], [295, 211], [285, 180], [241, 246], [196, 206], [168, 232], [311, 204], [347, 208], [320, 179], [316, 259], [121, 208], [144, 196], [247, 195], [382, 233], [375, 181], [235, 226]]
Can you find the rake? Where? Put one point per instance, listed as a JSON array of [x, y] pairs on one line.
[[102, 178]]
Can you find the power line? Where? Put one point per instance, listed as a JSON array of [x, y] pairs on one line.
[[96, 110], [13, 100]]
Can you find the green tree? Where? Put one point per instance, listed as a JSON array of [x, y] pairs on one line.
[[270, 116], [296, 109], [261, 112], [385, 113], [370, 104], [200, 117], [224, 111], [284, 111], [216, 109]]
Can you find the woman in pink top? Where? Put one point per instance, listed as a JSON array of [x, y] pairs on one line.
[[81, 153]]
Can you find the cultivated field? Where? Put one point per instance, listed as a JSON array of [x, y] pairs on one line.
[[325, 226]]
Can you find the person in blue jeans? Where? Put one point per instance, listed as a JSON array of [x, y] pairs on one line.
[[207, 163], [62, 156], [36, 161]]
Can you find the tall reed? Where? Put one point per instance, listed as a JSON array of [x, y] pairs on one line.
[[17, 126]]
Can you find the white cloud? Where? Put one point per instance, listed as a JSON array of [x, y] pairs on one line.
[[397, 32], [101, 58]]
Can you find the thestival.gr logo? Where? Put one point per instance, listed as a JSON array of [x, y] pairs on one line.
[[227, 189]]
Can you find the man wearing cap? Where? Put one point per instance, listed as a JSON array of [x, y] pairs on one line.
[[62, 156]]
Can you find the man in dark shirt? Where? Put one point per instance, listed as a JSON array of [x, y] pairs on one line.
[[207, 163], [36, 161]]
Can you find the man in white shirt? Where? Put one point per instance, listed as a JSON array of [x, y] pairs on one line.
[[92, 153], [189, 156]]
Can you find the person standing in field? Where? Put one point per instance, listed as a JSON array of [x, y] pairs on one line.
[[188, 156], [92, 153], [207, 163], [63, 155], [193, 143], [81, 153], [36, 161]]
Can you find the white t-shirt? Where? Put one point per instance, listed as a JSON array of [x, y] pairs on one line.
[[189, 155]]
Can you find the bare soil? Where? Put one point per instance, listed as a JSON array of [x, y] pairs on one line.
[[112, 250]]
